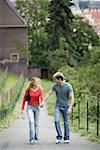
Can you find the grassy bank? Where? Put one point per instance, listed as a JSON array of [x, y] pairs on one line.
[[7, 121], [9, 82]]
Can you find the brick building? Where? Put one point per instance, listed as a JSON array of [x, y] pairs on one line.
[[91, 12]]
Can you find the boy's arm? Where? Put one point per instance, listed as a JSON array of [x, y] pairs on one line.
[[48, 94], [71, 103], [46, 97]]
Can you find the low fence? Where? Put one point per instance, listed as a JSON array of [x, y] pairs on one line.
[[3, 77], [9, 98], [89, 118]]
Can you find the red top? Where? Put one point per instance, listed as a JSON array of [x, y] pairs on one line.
[[35, 97]]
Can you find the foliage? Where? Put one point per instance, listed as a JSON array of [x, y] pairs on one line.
[[67, 38], [60, 57], [95, 55], [77, 37], [83, 37], [38, 49], [58, 25], [35, 13]]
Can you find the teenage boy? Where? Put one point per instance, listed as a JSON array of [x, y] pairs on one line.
[[63, 105]]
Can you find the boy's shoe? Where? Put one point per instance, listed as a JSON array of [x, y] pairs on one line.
[[66, 141], [58, 141]]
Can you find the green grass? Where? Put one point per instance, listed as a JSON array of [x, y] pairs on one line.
[[10, 81], [7, 121], [90, 134]]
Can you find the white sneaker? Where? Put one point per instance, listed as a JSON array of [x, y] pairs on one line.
[[32, 141], [58, 141], [66, 141]]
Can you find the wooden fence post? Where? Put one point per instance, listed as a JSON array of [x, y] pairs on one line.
[[98, 111], [78, 114], [87, 115]]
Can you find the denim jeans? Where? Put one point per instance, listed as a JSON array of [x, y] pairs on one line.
[[61, 110], [33, 117]]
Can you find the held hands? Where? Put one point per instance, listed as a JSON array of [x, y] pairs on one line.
[[22, 111], [41, 104], [41, 101]]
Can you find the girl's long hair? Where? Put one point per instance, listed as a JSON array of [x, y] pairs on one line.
[[30, 86]]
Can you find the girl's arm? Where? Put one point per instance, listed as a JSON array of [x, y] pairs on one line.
[[24, 100]]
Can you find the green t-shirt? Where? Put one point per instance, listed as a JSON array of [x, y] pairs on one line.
[[62, 93]]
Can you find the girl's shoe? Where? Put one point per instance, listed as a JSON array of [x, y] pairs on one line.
[[58, 141], [32, 141]]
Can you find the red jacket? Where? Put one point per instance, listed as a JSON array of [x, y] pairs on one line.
[[35, 97]]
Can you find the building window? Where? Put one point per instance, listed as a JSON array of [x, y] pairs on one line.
[[14, 57]]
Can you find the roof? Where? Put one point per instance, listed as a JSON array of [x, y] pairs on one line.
[[89, 4], [9, 15], [83, 5], [94, 19], [15, 11], [95, 4]]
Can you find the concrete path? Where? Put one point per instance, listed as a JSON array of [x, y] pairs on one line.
[[16, 137]]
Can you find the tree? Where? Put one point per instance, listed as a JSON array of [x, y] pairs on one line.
[[59, 20], [94, 55], [60, 57], [78, 35], [35, 13], [83, 36]]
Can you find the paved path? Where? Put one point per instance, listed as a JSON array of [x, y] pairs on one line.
[[15, 138]]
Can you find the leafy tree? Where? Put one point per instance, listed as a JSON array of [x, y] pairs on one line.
[[78, 35], [93, 70], [94, 55], [35, 13], [60, 57], [83, 37]]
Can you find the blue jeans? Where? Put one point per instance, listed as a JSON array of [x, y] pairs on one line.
[[63, 111], [33, 117]]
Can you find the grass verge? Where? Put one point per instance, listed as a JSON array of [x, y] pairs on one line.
[[7, 121]]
